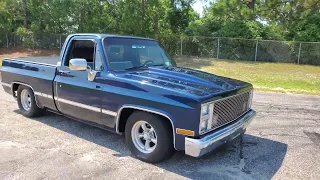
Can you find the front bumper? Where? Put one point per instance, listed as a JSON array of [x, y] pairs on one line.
[[199, 147]]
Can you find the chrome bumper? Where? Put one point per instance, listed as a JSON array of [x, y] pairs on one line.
[[199, 147]]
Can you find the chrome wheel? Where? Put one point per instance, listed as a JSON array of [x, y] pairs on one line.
[[25, 100], [144, 137]]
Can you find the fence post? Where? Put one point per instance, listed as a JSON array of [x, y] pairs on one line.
[[60, 42], [299, 53], [7, 41], [218, 48], [256, 52], [180, 45]]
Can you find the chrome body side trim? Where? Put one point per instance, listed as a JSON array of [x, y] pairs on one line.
[[84, 106], [146, 110], [199, 147], [79, 105], [43, 95], [37, 93], [110, 113], [5, 84]]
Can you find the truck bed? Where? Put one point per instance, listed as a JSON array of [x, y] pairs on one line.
[[52, 60], [36, 72]]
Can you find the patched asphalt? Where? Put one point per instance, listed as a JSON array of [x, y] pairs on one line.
[[282, 142]]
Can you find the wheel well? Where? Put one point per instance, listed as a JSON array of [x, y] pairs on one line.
[[15, 87], [126, 112]]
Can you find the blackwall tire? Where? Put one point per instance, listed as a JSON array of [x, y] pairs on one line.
[[158, 134], [27, 102]]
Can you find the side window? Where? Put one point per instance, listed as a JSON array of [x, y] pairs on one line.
[[81, 49], [98, 61]]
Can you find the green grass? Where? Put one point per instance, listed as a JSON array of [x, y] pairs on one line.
[[276, 77]]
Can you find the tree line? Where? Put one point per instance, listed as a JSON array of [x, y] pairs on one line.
[[297, 20]]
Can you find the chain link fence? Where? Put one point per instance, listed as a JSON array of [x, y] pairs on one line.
[[37, 41], [206, 47]]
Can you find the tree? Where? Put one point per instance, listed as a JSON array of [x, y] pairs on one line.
[[25, 13]]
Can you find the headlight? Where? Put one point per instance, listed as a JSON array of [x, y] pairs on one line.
[[204, 109], [203, 125], [205, 117]]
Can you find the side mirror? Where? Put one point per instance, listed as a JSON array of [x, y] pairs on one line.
[[91, 74], [78, 64]]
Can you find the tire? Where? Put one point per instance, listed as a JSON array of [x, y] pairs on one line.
[[33, 110], [162, 130]]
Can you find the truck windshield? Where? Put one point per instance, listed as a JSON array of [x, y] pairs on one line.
[[132, 54]]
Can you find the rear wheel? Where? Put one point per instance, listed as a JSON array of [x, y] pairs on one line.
[[27, 103], [149, 137]]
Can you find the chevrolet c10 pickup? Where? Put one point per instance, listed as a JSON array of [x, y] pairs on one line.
[[131, 86]]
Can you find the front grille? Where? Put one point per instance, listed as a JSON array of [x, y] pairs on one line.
[[229, 109]]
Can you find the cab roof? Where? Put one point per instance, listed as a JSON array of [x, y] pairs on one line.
[[109, 35]]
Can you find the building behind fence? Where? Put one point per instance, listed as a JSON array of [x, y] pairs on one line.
[[206, 47]]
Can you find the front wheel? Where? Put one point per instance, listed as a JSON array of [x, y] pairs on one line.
[[149, 137], [27, 102]]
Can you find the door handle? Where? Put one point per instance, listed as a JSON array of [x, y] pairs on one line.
[[98, 87], [64, 72]]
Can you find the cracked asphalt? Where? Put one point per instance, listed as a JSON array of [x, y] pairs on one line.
[[283, 142]]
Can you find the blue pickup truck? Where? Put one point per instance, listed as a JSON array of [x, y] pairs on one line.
[[131, 86]]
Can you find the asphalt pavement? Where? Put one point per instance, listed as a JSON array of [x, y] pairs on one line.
[[282, 142]]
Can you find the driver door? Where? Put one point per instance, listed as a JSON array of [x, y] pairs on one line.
[[75, 95]]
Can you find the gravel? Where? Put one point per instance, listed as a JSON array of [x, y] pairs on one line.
[[283, 142]]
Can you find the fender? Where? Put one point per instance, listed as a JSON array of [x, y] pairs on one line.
[[146, 109], [34, 92]]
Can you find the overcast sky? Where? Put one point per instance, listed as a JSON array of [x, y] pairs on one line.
[[198, 6]]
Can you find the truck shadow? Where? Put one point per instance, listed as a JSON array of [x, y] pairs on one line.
[[250, 157]]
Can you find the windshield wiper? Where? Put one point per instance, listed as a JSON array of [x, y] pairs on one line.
[[137, 67], [159, 65]]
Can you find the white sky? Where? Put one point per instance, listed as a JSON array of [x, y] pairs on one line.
[[198, 5]]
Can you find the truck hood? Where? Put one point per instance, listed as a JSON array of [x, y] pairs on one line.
[[186, 81]]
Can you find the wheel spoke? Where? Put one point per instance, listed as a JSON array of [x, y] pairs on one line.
[[144, 136], [144, 127], [140, 135], [154, 140], [147, 145], [25, 100], [151, 130]]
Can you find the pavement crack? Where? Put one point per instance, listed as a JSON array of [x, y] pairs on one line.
[[242, 163], [314, 137], [281, 135], [70, 154]]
